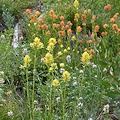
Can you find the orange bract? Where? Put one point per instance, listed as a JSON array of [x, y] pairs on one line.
[[51, 13], [28, 11], [108, 7], [83, 16], [96, 28]]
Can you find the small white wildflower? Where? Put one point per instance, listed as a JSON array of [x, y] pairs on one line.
[[42, 59], [36, 109], [81, 71], [95, 76], [75, 83], [105, 70], [2, 80], [80, 104], [10, 113], [58, 99], [81, 98], [94, 66], [25, 51], [1, 73], [2, 36], [62, 70], [68, 58], [74, 78], [106, 108], [35, 102]]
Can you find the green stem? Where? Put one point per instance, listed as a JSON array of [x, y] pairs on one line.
[[34, 70], [28, 98]]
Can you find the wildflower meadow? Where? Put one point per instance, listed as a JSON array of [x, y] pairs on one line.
[[61, 61]]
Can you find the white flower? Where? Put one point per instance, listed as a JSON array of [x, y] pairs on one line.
[[68, 58], [105, 70], [75, 83], [2, 36], [80, 104], [106, 108], [2, 80], [81, 71], [1, 73], [94, 66], [10, 113], [74, 78], [25, 51], [62, 70], [95, 76], [58, 99], [35, 102], [42, 59]]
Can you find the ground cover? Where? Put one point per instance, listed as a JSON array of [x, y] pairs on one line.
[[67, 63]]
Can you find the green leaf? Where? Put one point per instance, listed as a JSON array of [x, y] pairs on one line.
[[113, 94], [103, 64], [106, 84]]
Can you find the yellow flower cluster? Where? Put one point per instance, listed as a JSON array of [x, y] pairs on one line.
[[52, 40], [76, 3], [66, 76], [37, 44], [27, 60], [55, 82], [49, 59], [85, 58], [50, 47]]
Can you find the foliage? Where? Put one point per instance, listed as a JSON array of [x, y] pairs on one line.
[[67, 65]]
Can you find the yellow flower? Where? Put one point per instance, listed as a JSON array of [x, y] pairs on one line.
[[27, 60], [37, 43], [55, 82], [21, 66], [76, 3], [49, 59], [52, 40], [50, 47], [62, 65], [66, 76], [59, 53], [85, 58]]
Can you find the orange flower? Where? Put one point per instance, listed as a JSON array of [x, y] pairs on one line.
[[55, 16], [61, 18], [69, 31], [62, 23], [28, 11], [32, 21], [117, 14], [32, 16], [114, 27], [118, 30], [76, 17], [48, 32], [59, 40], [61, 33], [83, 16], [62, 27], [79, 29], [69, 23], [108, 7], [66, 26], [115, 17], [44, 26], [105, 25], [89, 41], [92, 51], [41, 20], [51, 13], [96, 28], [83, 24], [73, 38], [81, 41], [112, 20], [104, 33], [37, 13]]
